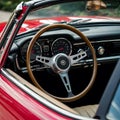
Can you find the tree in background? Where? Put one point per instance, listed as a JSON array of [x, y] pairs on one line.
[[9, 5], [68, 8]]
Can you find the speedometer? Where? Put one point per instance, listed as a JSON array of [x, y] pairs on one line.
[[36, 50], [61, 45]]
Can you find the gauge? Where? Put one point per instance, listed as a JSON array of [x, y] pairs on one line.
[[61, 45], [24, 50], [36, 50]]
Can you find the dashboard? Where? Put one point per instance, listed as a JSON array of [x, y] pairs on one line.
[[105, 43]]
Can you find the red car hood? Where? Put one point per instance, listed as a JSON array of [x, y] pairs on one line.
[[28, 24]]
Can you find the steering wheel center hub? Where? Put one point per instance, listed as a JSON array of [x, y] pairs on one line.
[[61, 63]]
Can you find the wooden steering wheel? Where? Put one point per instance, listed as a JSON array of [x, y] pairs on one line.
[[61, 63]]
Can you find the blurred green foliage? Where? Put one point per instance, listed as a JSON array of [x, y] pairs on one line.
[[68, 8], [9, 5]]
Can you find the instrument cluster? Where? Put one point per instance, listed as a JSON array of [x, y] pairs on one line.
[[47, 47]]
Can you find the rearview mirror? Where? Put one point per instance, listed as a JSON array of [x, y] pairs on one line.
[[95, 5]]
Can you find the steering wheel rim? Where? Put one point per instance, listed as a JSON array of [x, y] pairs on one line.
[[84, 38]]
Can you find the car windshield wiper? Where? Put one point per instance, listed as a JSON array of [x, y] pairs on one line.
[[79, 21], [82, 22], [92, 22], [72, 22]]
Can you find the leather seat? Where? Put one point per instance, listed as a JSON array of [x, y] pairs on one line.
[[87, 111]]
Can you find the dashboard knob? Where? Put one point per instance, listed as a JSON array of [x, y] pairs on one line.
[[101, 50]]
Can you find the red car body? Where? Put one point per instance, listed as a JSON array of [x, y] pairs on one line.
[[16, 104], [19, 104], [33, 23]]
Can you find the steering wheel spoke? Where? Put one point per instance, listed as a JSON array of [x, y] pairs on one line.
[[77, 57], [44, 60], [65, 79]]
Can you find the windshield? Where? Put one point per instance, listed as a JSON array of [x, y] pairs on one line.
[[81, 8], [84, 11]]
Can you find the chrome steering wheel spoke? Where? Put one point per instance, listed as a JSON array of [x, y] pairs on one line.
[[77, 57], [44, 60], [65, 79]]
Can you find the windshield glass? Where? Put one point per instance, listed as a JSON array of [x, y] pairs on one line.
[[84, 11], [81, 8]]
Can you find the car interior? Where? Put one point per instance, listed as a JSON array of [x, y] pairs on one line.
[[68, 64], [79, 74]]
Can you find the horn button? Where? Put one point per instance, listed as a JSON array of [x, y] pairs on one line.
[[61, 63]]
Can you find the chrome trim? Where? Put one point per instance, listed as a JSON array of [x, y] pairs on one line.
[[101, 41], [99, 60], [81, 62], [70, 45], [17, 63], [43, 100], [109, 58], [19, 7], [24, 69]]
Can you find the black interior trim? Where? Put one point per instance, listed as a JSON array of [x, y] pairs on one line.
[[109, 93]]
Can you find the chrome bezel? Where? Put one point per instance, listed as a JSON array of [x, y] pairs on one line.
[[64, 39], [31, 61]]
